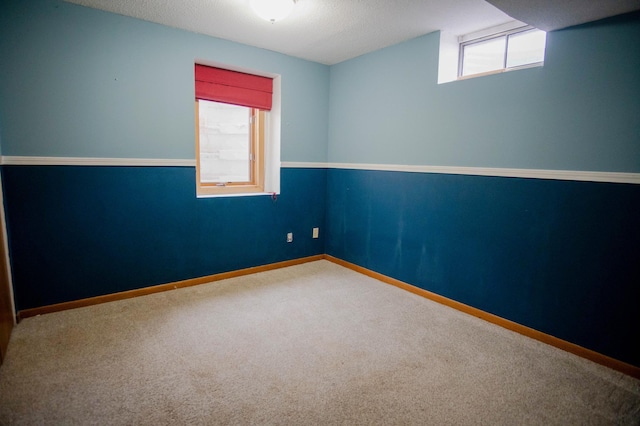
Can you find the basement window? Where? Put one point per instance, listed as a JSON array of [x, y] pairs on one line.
[[517, 48], [510, 46]]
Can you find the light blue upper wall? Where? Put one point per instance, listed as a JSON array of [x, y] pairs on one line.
[[581, 111], [79, 82]]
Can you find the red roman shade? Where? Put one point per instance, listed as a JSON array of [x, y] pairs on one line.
[[233, 87]]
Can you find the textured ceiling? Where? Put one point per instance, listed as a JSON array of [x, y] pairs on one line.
[[324, 31], [331, 31], [564, 13]]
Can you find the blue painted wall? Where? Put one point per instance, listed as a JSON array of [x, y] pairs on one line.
[[561, 257], [79, 82], [79, 232], [578, 112]]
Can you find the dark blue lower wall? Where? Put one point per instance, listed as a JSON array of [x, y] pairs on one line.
[[83, 231], [562, 257]]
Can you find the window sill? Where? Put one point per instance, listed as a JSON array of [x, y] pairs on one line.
[[243, 194], [502, 70]]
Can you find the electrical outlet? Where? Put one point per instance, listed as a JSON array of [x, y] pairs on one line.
[[290, 237], [316, 232]]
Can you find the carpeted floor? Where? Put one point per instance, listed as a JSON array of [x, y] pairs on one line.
[[314, 344]]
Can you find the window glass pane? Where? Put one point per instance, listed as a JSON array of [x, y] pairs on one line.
[[225, 142], [526, 48], [483, 56]]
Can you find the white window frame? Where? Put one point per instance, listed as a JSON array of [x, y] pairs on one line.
[[449, 60]]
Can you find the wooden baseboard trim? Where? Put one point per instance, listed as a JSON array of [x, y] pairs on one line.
[[596, 357], [26, 313]]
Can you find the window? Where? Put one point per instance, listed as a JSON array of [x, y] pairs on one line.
[[231, 110], [229, 148], [507, 50]]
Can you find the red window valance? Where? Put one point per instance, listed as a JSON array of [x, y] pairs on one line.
[[233, 87]]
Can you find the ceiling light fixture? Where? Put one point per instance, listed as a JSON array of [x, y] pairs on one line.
[[272, 10]]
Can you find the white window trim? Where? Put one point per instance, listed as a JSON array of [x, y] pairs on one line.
[[272, 135]]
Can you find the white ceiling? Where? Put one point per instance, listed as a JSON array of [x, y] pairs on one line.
[[549, 15], [327, 31]]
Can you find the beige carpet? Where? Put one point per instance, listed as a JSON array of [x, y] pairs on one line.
[[314, 344]]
